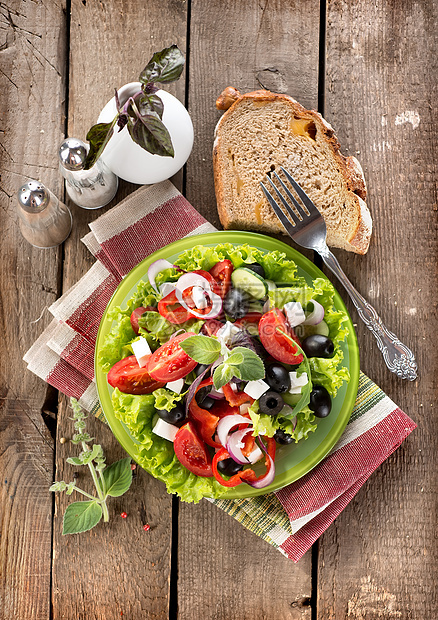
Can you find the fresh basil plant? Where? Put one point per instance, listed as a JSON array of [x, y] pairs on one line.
[[142, 113]]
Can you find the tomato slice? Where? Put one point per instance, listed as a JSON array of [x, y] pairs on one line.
[[170, 362], [170, 308], [277, 345], [191, 451], [129, 378], [250, 322], [137, 313], [221, 272]]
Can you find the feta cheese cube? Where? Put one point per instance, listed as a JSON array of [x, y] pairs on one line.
[[199, 298], [297, 383], [175, 386], [141, 351], [256, 388], [165, 430], [294, 313]]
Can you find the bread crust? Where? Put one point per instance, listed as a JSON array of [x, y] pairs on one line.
[[351, 170]]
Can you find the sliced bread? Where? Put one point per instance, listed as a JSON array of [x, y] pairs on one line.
[[261, 131]]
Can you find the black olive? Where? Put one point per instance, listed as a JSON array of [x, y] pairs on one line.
[[200, 369], [236, 303], [277, 377], [271, 403], [203, 399], [282, 437], [318, 346], [208, 403], [174, 416], [229, 467], [320, 401], [257, 268]]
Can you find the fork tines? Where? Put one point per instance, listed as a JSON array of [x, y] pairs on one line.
[[301, 212]]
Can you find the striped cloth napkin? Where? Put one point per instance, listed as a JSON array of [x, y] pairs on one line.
[[291, 519]]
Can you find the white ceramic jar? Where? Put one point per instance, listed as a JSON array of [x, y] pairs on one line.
[[131, 162]]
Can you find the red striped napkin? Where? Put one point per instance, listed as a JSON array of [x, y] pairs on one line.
[[150, 218]]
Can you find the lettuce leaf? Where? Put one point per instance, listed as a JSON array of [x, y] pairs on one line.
[[277, 267]]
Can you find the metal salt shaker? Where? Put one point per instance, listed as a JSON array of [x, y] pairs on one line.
[[89, 189], [45, 221]]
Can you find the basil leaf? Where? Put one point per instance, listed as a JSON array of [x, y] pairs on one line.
[[151, 134], [222, 375], [252, 367], [164, 67], [202, 349], [118, 477], [235, 358], [81, 517], [98, 136], [150, 103]]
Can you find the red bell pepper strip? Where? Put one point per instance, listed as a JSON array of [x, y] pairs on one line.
[[236, 399], [246, 475], [207, 422], [177, 314]]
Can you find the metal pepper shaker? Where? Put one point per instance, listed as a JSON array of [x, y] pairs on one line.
[[89, 189], [45, 221]]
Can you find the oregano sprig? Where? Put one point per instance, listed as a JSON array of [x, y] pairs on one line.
[[110, 481], [142, 113]]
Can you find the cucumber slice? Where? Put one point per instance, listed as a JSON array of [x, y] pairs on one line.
[[250, 282], [302, 331]]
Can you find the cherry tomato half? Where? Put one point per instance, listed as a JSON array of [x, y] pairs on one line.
[[211, 327], [221, 272], [137, 313], [131, 379], [250, 322], [280, 347], [170, 362], [191, 451]]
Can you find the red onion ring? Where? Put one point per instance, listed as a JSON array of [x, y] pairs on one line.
[[155, 268], [234, 445], [227, 423], [216, 308], [268, 478], [316, 315]]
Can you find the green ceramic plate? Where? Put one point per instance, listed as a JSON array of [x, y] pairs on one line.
[[292, 461]]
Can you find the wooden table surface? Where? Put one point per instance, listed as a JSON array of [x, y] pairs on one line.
[[370, 68]]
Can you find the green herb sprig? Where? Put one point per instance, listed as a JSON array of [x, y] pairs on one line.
[[110, 481], [142, 113], [241, 362]]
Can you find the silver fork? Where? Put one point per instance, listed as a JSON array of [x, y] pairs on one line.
[[308, 229]]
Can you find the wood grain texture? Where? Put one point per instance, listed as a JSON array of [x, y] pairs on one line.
[[381, 88], [224, 571], [116, 570], [32, 83]]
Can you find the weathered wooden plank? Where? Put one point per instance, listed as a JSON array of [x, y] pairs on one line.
[[248, 45], [377, 560], [117, 570], [32, 83]]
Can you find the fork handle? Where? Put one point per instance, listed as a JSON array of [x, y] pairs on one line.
[[398, 357]]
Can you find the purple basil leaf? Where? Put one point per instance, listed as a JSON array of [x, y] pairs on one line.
[[193, 387], [122, 120], [164, 67], [150, 103], [149, 88], [116, 97], [150, 133], [98, 136], [244, 339]]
